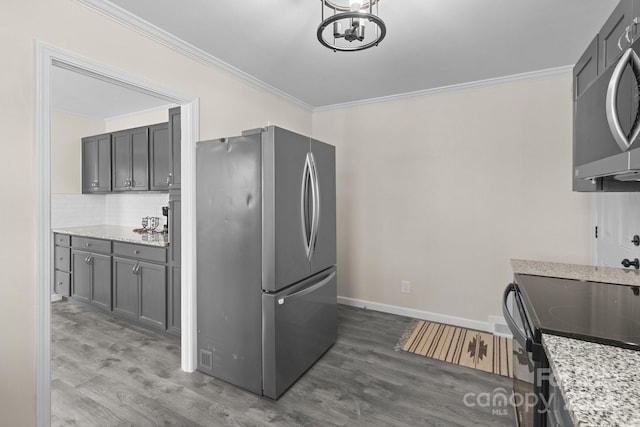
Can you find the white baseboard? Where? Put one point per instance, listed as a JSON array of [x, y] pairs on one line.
[[56, 297], [490, 326]]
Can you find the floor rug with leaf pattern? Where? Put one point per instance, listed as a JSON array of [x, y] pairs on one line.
[[460, 346]]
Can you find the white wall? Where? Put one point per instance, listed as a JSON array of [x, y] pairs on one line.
[[443, 190], [227, 106]]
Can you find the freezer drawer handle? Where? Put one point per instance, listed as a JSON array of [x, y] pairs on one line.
[[309, 289]]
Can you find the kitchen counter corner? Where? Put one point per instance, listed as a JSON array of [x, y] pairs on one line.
[[589, 273], [118, 233], [600, 384]]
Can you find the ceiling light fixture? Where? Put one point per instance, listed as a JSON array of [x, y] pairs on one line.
[[363, 27]]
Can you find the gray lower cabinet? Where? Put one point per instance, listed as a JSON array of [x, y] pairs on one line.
[[62, 264], [174, 311], [173, 301], [91, 278], [130, 159], [131, 280], [96, 164], [140, 291]]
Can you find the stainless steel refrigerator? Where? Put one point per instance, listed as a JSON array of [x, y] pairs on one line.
[[266, 257]]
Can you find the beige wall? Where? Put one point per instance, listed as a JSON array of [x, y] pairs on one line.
[[66, 154], [439, 190], [443, 190], [227, 106]]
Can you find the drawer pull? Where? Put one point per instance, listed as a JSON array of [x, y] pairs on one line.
[[59, 283]]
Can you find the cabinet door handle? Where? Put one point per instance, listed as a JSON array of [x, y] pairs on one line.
[[88, 259], [59, 283], [136, 268]]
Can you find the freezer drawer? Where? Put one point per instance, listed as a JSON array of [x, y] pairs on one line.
[[299, 325]]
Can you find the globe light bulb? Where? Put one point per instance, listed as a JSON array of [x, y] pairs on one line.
[[355, 5]]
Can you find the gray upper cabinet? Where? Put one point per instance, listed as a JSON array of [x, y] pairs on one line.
[[613, 35], [96, 164], [175, 142], [159, 157], [130, 160], [586, 69]]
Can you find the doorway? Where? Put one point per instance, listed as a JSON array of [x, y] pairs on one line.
[[48, 57]]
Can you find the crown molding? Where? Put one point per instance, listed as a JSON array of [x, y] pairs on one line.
[[533, 75], [118, 14]]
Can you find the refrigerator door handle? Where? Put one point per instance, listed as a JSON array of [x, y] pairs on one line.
[[315, 191], [304, 200], [308, 290]]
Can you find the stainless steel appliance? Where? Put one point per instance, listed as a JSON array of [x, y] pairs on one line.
[[592, 311], [607, 126], [266, 257]]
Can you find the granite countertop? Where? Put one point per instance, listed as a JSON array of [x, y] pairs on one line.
[[117, 232], [600, 384], [591, 273]]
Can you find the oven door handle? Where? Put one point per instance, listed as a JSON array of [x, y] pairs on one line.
[[518, 335]]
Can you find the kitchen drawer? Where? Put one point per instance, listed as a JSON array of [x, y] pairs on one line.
[[91, 245], [62, 239], [148, 253], [62, 284], [62, 259]]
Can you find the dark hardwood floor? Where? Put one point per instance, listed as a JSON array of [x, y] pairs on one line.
[[107, 372]]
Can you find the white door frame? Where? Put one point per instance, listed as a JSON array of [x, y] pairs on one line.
[[46, 56]]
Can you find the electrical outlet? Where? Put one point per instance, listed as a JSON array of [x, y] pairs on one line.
[[406, 287]]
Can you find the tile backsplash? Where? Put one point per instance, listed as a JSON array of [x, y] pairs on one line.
[[128, 209], [70, 210]]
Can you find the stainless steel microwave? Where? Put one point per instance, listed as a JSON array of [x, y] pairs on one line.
[[607, 128]]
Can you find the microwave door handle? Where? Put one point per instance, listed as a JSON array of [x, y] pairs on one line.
[[518, 335], [628, 58]]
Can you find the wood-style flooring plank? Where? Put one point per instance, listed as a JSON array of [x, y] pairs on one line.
[[106, 371]]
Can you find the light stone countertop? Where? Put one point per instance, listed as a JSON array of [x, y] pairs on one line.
[[116, 232], [591, 273], [600, 384]]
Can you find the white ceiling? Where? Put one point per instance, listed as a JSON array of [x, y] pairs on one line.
[[82, 95], [429, 43]]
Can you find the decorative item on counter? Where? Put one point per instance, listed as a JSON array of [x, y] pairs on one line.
[[149, 224]]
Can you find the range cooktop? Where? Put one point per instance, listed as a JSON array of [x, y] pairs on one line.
[[592, 311]]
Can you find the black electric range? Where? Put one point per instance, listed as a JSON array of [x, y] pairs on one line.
[[600, 312]]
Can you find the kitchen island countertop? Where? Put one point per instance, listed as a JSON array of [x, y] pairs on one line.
[[118, 233], [600, 384]]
